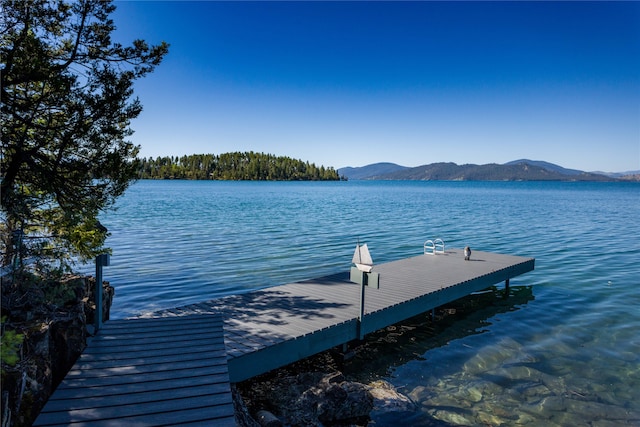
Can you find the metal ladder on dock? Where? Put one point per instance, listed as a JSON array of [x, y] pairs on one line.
[[432, 247]]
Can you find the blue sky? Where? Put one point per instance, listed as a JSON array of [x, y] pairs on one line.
[[353, 83]]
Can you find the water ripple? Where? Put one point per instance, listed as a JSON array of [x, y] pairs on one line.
[[566, 354]]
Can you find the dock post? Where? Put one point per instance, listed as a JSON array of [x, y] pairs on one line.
[[98, 297], [506, 288], [361, 313], [101, 261]]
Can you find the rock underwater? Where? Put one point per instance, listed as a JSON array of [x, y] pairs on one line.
[[320, 399]]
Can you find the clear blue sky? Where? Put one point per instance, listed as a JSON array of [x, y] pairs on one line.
[[349, 84]]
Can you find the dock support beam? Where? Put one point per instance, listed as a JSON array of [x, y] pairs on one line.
[[506, 288]]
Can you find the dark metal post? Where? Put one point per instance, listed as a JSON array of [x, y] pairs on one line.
[[101, 261], [361, 314], [98, 297]]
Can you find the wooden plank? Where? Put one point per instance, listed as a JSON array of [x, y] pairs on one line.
[[144, 323], [154, 409], [156, 345], [84, 402], [166, 352], [148, 337], [189, 417], [162, 381], [159, 371], [144, 372], [407, 287], [114, 338], [142, 387], [178, 374]]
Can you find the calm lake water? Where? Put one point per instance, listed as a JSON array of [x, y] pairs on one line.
[[562, 350]]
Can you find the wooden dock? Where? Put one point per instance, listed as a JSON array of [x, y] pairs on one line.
[[174, 367], [272, 327], [147, 372]]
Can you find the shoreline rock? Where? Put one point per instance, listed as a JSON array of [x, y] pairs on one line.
[[55, 321], [314, 392]]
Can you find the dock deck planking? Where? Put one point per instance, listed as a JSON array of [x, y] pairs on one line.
[[165, 378], [269, 328], [174, 368]]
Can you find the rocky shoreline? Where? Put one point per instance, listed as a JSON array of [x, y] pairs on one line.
[[314, 392], [311, 392], [53, 320], [317, 391]]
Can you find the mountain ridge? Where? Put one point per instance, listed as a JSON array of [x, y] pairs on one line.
[[516, 170], [370, 171]]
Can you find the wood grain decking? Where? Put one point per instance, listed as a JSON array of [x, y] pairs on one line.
[[174, 367], [147, 372], [273, 327]]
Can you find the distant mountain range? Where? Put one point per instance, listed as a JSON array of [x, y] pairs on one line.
[[517, 170], [373, 171]]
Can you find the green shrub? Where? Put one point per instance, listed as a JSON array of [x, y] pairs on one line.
[[10, 343]]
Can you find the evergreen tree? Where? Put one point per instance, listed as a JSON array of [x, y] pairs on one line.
[[235, 166], [66, 110]]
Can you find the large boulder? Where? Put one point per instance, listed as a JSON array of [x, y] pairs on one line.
[[312, 399], [334, 400]]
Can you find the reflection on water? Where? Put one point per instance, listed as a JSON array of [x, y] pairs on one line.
[[399, 344]]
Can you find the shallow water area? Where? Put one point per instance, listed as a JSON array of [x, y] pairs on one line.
[[562, 350]]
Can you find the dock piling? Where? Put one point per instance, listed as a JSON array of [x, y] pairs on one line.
[[361, 312], [102, 260]]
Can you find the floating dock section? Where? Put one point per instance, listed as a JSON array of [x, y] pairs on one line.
[[272, 327]]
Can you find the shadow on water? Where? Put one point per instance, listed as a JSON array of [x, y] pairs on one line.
[[401, 343]]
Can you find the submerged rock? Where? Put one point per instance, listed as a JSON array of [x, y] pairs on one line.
[[267, 419], [311, 399], [387, 399], [453, 418], [493, 357]]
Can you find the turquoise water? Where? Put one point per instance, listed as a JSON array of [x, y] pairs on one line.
[[563, 350]]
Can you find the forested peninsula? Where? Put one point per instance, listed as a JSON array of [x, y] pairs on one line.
[[235, 166]]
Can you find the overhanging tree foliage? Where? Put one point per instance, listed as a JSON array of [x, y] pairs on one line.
[[67, 104]]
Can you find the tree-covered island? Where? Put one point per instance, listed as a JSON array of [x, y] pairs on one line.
[[235, 166]]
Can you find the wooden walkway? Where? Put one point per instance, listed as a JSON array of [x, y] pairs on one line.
[[273, 327], [147, 372], [174, 367]]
